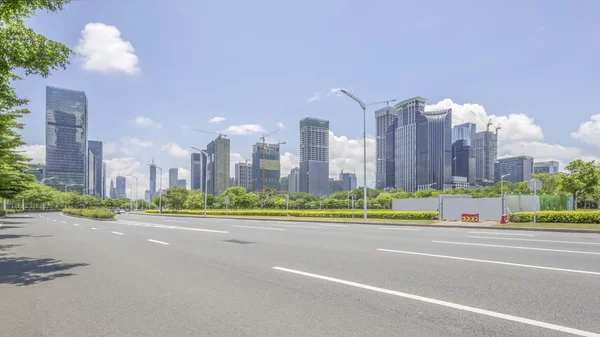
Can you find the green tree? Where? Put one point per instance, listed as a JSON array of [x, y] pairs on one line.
[[384, 199], [194, 200], [175, 197], [21, 49], [550, 182], [581, 179], [111, 203]]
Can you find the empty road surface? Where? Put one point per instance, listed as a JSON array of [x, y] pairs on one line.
[[171, 276]]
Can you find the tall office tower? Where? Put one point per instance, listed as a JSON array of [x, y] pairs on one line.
[[66, 139], [550, 167], [112, 193], [266, 168], [390, 155], [153, 179], [243, 175], [39, 171], [173, 177], [438, 169], [464, 131], [294, 180], [348, 181], [121, 187], [95, 168], [195, 171], [181, 183], [103, 186], [384, 118], [147, 196], [485, 146], [90, 174], [517, 169], [217, 166], [411, 143], [314, 156], [463, 160]]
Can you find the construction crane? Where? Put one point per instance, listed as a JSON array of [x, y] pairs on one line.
[[498, 127], [387, 103], [267, 135], [488, 123], [210, 132]]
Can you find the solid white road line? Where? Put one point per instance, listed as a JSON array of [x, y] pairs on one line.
[[400, 229], [488, 261], [267, 228], [446, 304], [63, 221], [517, 247], [93, 228], [131, 223], [537, 240], [156, 241], [75, 224], [298, 226], [118, 233], [501, 233]]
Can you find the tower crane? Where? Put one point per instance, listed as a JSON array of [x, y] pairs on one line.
[[387, 103], [488, 123], [220, 134], [498, 127]]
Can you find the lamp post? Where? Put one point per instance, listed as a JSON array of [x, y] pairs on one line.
[[160, 188], [502, 190], [205, 178], [364, 108], [42, 182], [136, 190], [68, 185]]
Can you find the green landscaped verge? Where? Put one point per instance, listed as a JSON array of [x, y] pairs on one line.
[[97, 214], [553, 225]]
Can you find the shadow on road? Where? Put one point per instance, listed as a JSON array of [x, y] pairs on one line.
[[8, 227], [12, 236], [24, 271]]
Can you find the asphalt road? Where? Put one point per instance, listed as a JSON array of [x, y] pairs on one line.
[[168, 276]]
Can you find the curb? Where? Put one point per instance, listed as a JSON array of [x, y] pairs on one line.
[[559, 230], [85, 217]]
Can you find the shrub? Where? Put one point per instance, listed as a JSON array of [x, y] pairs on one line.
[[557, 216], [374, 214], [93, 213], [9, 212]]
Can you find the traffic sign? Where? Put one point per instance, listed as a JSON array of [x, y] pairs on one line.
[[534, 184]]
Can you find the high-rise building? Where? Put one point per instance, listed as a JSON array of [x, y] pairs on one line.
[[196, 171], [66, 139], [384, 118], [463, 160], [294, 180], [551, 167], [335, 185], [95, 168], [38, 170], [314, 156], [147, 196], [243, 175], [464, 131], [113, 191], [517, 169], [348, 181], [266, 167], [153, 179], [121, 187], [173, 177], [284, 184], [438, 162], [390, 155], [103, 180], [411, 137], [217, 166], [181, 183], [485, 146]]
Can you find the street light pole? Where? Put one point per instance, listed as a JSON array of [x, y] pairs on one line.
[[364, 108], [502, 191], [161, 192], [136, 191]]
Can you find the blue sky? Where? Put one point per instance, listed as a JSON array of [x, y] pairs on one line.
[[530, 65]]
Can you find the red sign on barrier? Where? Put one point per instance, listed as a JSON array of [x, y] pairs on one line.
[[470, 217]]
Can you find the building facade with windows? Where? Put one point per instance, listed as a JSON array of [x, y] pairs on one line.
[[95, 163], [294, 180], [66, 139], [173, 177], [243, 176], [550, 167], [314, 156], [411, 143], [516, 169], [217, 165], [266, 166], [121, 187], [463, 161], [384, 118], [485, 146], [348, 181]]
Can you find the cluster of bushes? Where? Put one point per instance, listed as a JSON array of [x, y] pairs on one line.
[[374, 214], [94, 213], [557, 216], [9, 212]]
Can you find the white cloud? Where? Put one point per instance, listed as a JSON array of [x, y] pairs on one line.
[[128, 146], [315, 97], [183, 173], [288, 161], [588, 131], [244, 129], [141, 120], [37, 153], [336, 92], [175, 150], [216, 120], [104, 50], [280, 125], [347, 154]]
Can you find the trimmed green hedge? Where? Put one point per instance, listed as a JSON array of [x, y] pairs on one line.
[[374, 214], [94, 213], [9, 212], [557, 216]]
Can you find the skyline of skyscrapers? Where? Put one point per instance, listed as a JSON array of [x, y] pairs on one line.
[[266, 166], [314, 156], [66, 139]]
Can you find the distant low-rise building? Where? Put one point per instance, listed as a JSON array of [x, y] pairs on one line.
[[348, 181], [515, 169], [38, 170], [181, 183], [550, 167]]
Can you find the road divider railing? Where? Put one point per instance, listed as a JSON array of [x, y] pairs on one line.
[[375, 214]]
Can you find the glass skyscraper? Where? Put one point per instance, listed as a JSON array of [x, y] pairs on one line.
[[95, 168], [266, 167], [217, 166], [66, 139], [314, 156]]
